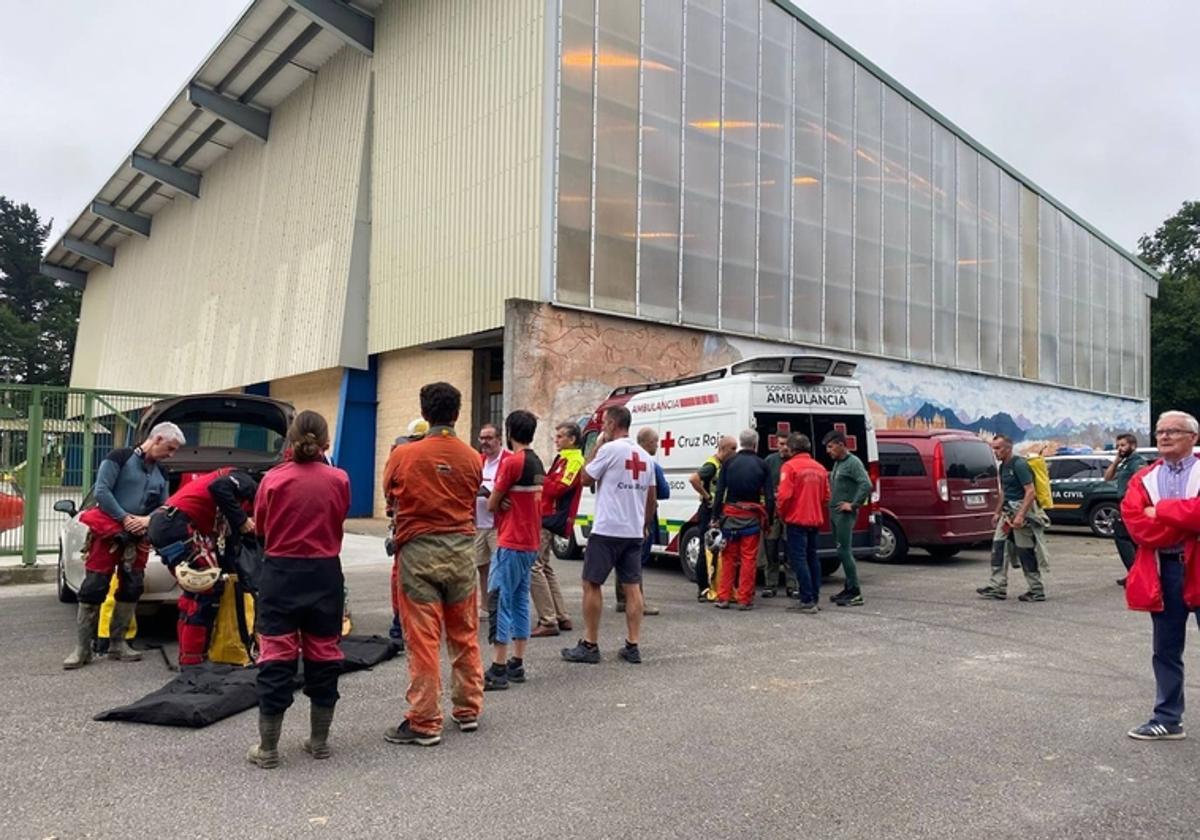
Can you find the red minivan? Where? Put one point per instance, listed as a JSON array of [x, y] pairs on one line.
[[937, 491]]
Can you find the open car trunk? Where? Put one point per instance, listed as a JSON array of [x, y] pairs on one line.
[[222, 430]]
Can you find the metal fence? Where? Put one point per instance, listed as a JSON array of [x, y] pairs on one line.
[[52, 439]]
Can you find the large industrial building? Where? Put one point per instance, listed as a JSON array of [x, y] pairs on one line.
[[538, 200]]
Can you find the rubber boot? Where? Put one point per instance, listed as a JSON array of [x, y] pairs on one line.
[[87, 618], [266, 753], [118, 650], [320, 719]]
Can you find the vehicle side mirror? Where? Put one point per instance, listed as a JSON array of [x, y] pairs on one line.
[[66, 506]]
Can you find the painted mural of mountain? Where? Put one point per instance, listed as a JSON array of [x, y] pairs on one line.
[[932, 416]]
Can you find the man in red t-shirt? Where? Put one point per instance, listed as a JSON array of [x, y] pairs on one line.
[[516, 501]]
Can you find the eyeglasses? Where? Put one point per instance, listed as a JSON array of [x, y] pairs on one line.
[[1172, 432]]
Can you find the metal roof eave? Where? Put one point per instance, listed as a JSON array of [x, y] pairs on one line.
[[319, 49]]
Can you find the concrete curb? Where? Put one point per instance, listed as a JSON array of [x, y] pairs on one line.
[[27, 574]]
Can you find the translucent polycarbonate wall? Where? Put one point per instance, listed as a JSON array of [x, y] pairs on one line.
[[722, 165]]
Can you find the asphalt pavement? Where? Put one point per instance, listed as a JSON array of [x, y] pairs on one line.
[[925, 713]]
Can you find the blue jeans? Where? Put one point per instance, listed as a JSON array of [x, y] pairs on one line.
[[508, 577], [1170, 632], [802, 555]]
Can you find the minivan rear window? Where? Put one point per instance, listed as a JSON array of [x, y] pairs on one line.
[[969, 459], [899, 460]]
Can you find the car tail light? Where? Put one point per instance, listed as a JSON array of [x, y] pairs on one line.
[[939, 472]]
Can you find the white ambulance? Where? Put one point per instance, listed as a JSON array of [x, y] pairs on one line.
[[775, 395]]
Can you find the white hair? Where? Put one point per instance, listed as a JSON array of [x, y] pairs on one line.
[[167, 431], [748, 440], [1188, 419]]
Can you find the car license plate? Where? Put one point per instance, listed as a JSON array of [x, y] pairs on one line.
[[975, 501]]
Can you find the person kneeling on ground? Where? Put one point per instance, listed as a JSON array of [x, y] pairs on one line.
[[184, 532], [516, 502], [299, 511]]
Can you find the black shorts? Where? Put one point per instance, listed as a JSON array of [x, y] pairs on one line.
[[603, 554]]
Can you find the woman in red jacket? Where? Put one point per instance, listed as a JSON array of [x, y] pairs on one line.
[[299, 511]]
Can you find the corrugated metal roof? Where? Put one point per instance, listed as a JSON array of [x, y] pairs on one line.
[[273, 48]]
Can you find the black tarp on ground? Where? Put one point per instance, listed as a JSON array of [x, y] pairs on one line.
[[208, 693]]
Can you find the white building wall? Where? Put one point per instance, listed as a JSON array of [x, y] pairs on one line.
[[249, 282]]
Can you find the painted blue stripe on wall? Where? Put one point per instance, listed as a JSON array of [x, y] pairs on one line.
[[354, 442]]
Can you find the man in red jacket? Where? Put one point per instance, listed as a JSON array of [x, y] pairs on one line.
[[1161, 510], [802, 501], [186, 530]]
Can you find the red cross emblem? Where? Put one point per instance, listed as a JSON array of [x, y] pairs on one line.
[[667, 443], [851, 440], [782, 430], [635, 465]]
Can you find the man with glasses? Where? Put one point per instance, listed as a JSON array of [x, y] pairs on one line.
[[492, 453], [1123, 468], [1162, 513], [1018, 519]]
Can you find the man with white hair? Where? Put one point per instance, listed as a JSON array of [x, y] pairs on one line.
[[744, 504], [1161, 510], [130, 485]]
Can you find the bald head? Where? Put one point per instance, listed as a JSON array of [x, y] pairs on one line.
[[726, 446]]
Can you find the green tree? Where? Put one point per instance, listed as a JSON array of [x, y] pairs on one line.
[[38, 316], [1174, 250]]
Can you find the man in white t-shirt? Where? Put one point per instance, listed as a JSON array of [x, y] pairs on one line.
[[622, 474], [491, 453]]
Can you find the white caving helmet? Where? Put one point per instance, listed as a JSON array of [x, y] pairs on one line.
[[195, 578], [714, 540]]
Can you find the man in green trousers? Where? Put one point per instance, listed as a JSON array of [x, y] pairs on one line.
[[850, 488]]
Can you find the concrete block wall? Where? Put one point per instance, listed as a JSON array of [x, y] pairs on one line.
[[401, 375], [317, 391]]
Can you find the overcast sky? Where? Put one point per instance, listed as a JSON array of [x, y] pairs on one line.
[[1095, 100]]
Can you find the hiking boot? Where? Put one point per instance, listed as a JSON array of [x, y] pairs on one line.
[[767, 593], [1032, 596], [722, 605], [118, 650], [495, 680], [807, 607], [989, 592], [405, 734], [852, 598], [87, 616], [833, 599], [631, 654], [465, 724], [565, 625], [320, 719], [514, 669], [265, 753], [543, 630], [582, 652], [1152, 731]]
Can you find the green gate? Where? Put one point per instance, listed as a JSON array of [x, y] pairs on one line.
[[51, 441]]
